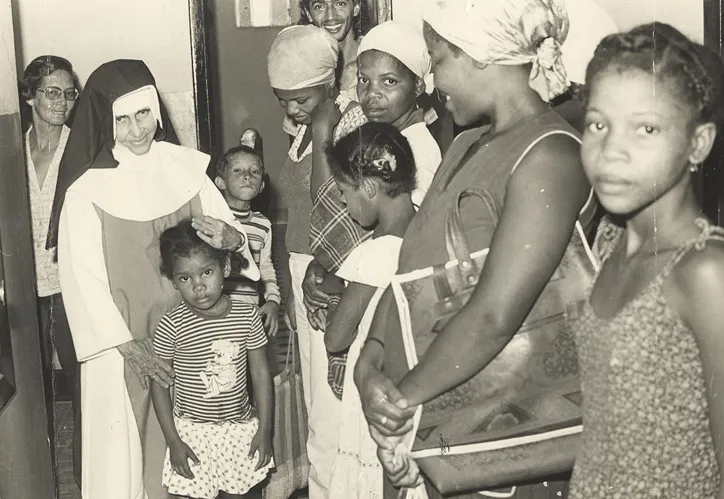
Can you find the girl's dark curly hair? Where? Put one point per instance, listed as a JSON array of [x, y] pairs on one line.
[[693, 70], [183, 241], [375, 150]]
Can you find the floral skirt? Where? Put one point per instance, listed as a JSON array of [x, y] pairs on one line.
[[224, 464]]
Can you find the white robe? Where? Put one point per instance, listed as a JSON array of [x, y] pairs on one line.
[[112, 460]]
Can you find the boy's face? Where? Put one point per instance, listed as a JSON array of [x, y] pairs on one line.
[[243, 178]]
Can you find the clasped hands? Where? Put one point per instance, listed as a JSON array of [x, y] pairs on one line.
[[390, 420]]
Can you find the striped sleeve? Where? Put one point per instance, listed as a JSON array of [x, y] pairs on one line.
[[257, 337], [164, 341]]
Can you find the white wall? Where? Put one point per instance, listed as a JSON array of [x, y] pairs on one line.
[[91, 32], [686, 15]]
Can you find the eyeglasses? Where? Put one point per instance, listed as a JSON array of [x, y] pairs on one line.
[[54, 93]]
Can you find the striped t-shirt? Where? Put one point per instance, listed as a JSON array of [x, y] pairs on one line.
[[258, 230], [209, 359]]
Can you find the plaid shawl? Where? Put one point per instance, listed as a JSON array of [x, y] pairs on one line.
[[333, 234]]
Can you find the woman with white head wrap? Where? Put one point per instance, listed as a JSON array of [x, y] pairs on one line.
[[301, 67], [497, 61], [123, 180], [394, 70]]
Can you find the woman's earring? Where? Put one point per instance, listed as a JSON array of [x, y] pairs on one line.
[[694, 167]]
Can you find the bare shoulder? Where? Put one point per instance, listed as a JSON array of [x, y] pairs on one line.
[[695, 288], [555, 151], [701, 268], [552, 167]]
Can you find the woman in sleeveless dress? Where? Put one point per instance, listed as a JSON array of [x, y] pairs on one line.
[[497, 61], [123, 181]]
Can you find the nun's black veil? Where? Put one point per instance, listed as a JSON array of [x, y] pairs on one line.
[[90, 143]]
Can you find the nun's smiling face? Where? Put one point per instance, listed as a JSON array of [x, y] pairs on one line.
[[136, 130]]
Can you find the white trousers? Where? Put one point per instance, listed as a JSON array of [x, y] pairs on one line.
[[323, 408]]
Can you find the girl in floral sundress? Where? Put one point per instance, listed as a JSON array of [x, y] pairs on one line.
[[650, 339]]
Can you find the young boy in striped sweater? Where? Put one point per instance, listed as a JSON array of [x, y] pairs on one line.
[[240, 177]]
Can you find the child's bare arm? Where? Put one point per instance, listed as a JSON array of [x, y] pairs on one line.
[[342, 322], [163, 406], [179, 451], [264, 400], [695, 290]]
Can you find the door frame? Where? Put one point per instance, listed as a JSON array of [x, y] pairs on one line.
[[198, 17], [712, 176]]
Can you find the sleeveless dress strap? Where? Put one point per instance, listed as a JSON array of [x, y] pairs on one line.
[[709, 232]]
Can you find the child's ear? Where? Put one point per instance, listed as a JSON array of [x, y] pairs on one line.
[[227, 266], [263, 185], [220, 183], [173, 283], [702, 142], [370, 187], [356, 10]]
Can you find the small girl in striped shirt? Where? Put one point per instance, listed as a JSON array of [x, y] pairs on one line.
[[209, 339]]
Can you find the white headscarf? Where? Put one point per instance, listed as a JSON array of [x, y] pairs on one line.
[[405, 43], [508, 32], [302, 57]]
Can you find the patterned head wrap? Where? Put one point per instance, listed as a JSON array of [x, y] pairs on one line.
[[404, 42], [508, 32], [302, 57]]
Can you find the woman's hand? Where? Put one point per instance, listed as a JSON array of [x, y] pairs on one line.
[[384, 406], [218, 233], [401, 470], [179, 454], [314, 298], [261, 443], [146, 364], [318, 320]]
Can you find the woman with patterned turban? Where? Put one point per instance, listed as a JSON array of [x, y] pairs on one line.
[[497, 61], [301, 65]]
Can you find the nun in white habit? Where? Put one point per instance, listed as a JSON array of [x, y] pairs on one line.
[[124, 180]]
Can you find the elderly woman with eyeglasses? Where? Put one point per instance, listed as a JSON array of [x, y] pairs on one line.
[[50, 89]]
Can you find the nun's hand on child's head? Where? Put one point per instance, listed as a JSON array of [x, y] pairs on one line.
[[314, 298], [217, 233], [146, 364], [179, 455], [324, 118]]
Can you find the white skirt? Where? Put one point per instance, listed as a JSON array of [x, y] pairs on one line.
[[223, 450]]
